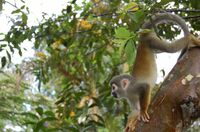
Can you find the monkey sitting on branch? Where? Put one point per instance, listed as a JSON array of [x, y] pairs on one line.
[[136, 88]]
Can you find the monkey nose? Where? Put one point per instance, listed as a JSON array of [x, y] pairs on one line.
[[114, 94]]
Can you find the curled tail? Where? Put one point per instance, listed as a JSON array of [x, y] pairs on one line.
[[162, 45], [166, 17]]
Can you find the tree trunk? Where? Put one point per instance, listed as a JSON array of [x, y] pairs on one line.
[[177, 104]]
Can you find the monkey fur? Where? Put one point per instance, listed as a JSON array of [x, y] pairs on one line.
[[136, 88]]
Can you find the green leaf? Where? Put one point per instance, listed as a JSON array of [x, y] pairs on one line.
[[39, 110], [29, 114], [3, 61], [137, 16], [122, 33], [9, 56], [20, 51], [130, 52], [119, 41], [38, 126], [36, 44], [43, 123], [11, 49], [1, 4], [3, 45], [24, 18], [16, 11], [49, 113], [48, 119], [69, 9], [73, 129], [132, 6], [28, 123], [23, 7], [142, 31]]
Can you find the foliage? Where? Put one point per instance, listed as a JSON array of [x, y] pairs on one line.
[[76, 54]]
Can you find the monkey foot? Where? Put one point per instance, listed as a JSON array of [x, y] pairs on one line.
[[144, 116], [130, 126]]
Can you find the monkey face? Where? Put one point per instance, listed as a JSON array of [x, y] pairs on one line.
[[117, 91], [119, 85]]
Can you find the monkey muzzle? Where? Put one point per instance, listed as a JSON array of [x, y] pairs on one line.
[[114, 94]]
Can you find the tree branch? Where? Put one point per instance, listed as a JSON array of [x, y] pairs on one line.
[[177, 104]]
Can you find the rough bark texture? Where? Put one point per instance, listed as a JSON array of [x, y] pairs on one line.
[[177, 104]]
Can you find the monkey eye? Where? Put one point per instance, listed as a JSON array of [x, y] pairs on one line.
[[113, 88]]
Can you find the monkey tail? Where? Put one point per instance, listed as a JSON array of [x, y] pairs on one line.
[[165, 17]]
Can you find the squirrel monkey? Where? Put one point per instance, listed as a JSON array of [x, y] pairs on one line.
[[136, 88]]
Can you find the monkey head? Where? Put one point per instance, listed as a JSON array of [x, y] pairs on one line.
[[119, 85]]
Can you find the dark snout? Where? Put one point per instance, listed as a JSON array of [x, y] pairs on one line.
[[114, 94]]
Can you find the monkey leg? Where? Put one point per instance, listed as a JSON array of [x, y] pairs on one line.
[[144, 102]]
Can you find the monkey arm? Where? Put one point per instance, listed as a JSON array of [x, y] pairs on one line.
[[144, 92], [144, 98]]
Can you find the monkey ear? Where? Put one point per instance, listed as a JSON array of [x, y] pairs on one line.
[[125, 83]]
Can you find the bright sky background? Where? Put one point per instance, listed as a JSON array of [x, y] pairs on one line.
[[36, 7]]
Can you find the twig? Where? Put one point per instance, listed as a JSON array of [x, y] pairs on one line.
[[181, 10], [105, 14], [95, 49], [192, 17], [11, 4], [112, 13]]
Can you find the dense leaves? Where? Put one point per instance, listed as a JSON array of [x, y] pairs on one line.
[[76, 54]]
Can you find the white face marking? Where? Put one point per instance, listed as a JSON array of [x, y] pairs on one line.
[[114, 92], [114, 87]]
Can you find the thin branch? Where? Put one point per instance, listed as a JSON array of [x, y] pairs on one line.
[[95, 49], [192, 17], [182, 10], [66, 73], [106, 14], [11, 4], [112, 13], [9, 112]]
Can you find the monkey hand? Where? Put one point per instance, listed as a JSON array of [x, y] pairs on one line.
[[144, 116]]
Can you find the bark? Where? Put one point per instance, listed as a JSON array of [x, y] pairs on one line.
[[177, 104]]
